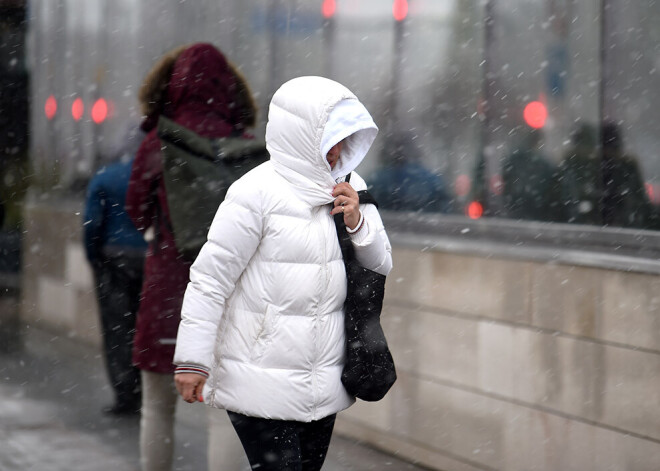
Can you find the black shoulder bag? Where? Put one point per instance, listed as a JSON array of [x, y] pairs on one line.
[[369, 370]]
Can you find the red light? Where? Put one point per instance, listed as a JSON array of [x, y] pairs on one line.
[[400, 9], [50, 108], [99, 111], [77, 109], [535, 114], [328, 8], [475, 210]]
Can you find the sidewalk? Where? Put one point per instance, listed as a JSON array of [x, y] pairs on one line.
[[50, 418]]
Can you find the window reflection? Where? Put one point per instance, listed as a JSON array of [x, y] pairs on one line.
[[625, 199], [529, 179], [460, 74], [580, 178], [593, 158], [403, 183]]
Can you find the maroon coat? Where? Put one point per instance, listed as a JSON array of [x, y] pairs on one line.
[[198, 97]]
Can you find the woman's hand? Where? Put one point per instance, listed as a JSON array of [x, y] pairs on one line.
[[348, 203], [190, 386]]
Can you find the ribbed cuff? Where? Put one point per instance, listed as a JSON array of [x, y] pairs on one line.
[[358, 227], [361, 235], [187, 368]]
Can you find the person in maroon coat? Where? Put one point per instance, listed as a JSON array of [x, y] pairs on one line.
[[196, 87]]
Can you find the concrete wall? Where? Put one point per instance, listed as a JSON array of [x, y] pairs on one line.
[[515, 365], [503, 364]]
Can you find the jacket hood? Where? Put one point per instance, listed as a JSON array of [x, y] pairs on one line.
[[306, 118], [198, 87]]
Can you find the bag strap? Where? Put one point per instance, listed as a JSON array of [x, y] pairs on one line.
[[232, 148], [345, 243], [364, 195], [367, 198]]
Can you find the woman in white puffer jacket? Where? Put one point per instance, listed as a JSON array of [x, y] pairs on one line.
[[262, 323]]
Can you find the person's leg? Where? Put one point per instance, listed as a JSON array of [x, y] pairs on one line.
[[314, 442], [126, 284], [270, 445], [224, 452], [104, 295], [159, 398], [118, 312]]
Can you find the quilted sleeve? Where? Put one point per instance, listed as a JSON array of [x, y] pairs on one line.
[[232, 240], [372, 246]]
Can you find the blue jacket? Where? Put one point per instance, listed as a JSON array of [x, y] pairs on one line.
[[408, 186], [106, 225]]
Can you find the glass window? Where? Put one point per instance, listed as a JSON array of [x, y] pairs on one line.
[[428, 129], [537, 110], [532, 110], [631, 114]]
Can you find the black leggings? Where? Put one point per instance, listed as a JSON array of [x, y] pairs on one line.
[[284, 445]]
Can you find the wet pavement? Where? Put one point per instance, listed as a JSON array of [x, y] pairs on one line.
[[53, 390]]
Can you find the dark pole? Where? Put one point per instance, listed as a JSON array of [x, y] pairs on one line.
[[603, 60], [605, 163], [488, 75], [101, 78], [273, 8], [480, 191], [395, 80], [329, 42]]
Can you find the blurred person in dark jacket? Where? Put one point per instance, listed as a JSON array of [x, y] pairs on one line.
[[403, 183], [529, 180], [607, 188], [580, 178], [115, 250], [196, 87], [625, 200]]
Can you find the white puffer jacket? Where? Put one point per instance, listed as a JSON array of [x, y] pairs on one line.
[[263, 312]]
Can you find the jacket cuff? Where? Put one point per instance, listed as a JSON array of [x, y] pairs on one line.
[[189, 368], [358, 226], [360, 236]]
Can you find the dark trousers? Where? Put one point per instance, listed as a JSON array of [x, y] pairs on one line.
[[118, 284], [283, 445]]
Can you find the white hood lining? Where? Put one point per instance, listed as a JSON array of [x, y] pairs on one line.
[[349, 120]]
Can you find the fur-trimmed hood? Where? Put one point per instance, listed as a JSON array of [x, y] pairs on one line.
[[218, 90]]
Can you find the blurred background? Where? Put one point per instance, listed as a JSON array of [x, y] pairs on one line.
[[517, 169]]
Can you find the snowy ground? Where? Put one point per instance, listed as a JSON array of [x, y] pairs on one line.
[[50, 418]]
